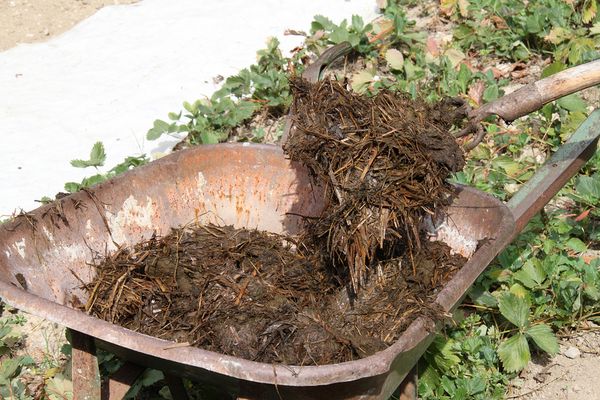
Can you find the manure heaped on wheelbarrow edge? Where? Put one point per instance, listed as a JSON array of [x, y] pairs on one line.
[[384, 161]]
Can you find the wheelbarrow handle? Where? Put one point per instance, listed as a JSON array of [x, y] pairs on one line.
[[555, 173], [531, 97]]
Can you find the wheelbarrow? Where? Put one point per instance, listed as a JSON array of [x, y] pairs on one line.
[[45, 255]]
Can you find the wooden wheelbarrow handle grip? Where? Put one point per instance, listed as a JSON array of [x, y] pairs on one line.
[[534, 95]]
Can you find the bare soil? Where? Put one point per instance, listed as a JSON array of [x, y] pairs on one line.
[[571, 375], [30, 21]]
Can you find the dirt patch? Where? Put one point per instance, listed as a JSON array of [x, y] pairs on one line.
[[572, 374], [23, 21], [250, 294], [41, 339]]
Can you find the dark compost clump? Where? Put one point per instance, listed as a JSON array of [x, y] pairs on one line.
[[247, 293], [384, 161], [345, 288]]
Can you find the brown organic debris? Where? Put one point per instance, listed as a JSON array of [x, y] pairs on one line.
[[249, 294], [384, 161]]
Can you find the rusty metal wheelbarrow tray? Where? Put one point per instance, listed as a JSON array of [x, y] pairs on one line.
[[45, 255]]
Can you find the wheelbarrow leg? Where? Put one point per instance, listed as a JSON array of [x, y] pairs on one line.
[[176, 387], [84, 367], [118, 384], [408, 388]]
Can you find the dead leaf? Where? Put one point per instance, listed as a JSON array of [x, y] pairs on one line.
[[381, 4], [463, 7], [455, 56], [395, 59], [432, 46], [382, 26], [497, 73], [558, 35], [476, 91], [361, 80], [499, 22], [293, 32], [448, 7], [582, 216]]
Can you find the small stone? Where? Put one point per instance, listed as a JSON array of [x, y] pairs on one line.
[[572, 353]]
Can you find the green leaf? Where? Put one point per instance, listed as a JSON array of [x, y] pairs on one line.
[[534, 24], [59, 388], [360, 81], [97, 155], [93, 180], [519, 290], [151, 376], [543, 337], [491, 93], [455, 56], [553, 69], [5, 330], [395, 59], [357, 23], [514, 353], [508, 164], [572, 102], [321, 23], [72, 187], [9, 367], [515, 309], [475, 385], [79, 163], [158, 129], [532, 274], [589, 12], [576, 245], [483, 297], [591, 291], [339, 35], [558, 35], [148, 378], [209, 137], [589, 186], [174, 116]]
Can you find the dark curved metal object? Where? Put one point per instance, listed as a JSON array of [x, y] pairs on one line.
[[312, 73]]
